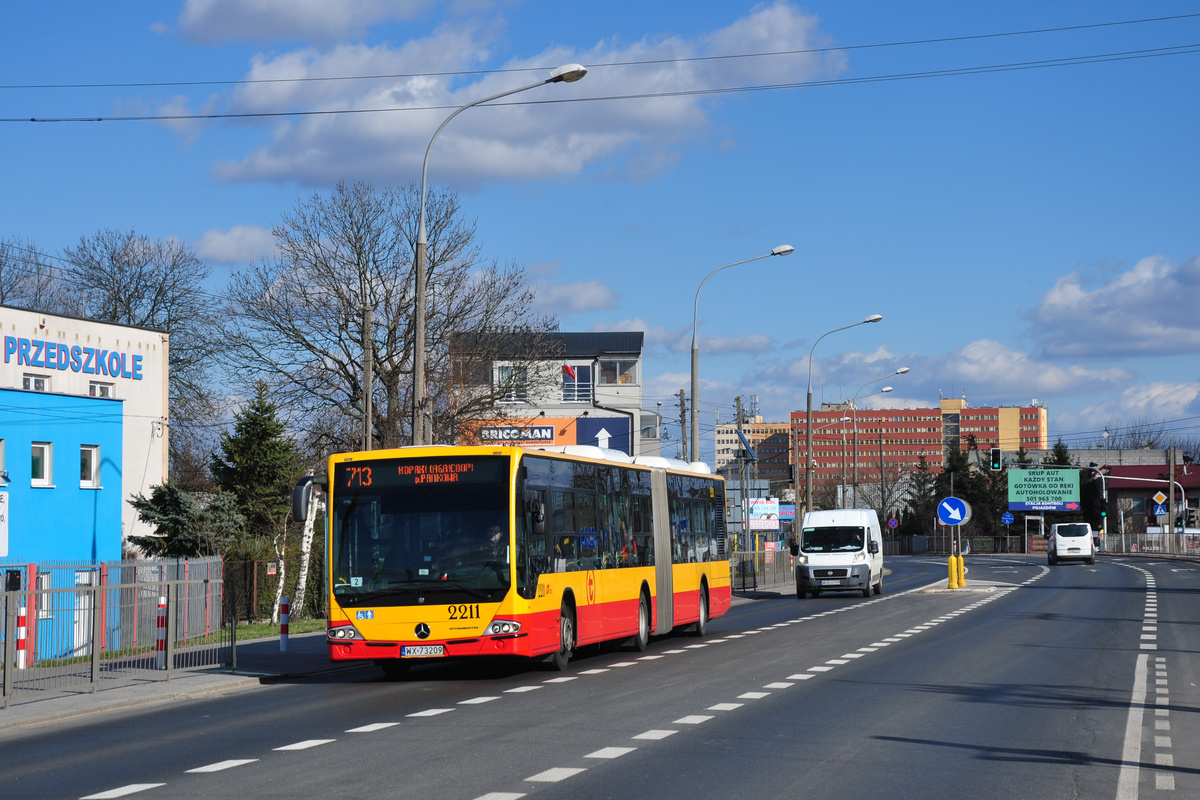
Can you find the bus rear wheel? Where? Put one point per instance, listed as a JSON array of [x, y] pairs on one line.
[[702, 622], [566, 638], [642, 640]]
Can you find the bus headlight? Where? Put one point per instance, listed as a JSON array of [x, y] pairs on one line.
[[343, 633], [499, 626], [859, 558], [801, 559]]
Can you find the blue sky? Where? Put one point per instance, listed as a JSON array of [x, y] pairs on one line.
[[1026, 233]]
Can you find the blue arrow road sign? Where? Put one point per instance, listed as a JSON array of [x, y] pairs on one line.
[[953, 511], [1007, 519]]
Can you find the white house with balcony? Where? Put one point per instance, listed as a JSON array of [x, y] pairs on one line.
[[586, 390]]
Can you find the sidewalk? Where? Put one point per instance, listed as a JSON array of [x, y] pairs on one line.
[[258, 661]]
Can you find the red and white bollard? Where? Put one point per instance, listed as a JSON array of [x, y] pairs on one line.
[[21, 638], [160, 642], [284, 606]]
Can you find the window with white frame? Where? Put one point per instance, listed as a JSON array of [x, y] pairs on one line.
[[512, 384], [35, 383], [577, 383], [615, 371], [98, 389], [649, 426], [89, 466], [41, 467]]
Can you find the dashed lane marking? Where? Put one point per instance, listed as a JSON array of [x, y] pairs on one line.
[[123, 791], [307, 744], [220, 766], [692, 719], [430, 712], [555, 774], [654, 735], [611, 752], [374, 726], [475, 701]]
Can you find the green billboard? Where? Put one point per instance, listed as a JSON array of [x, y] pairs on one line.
[[1043, 489]]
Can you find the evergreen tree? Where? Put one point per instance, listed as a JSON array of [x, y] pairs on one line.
[[185, 527], [258, 463], [1060, 455], [922, 501], [173, 513]]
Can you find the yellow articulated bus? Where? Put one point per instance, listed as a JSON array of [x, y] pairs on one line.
[[452, 552]]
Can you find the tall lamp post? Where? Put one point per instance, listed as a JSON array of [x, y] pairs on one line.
[[818, 429], [781, 250], [808, 406], [422, 424], [854, 413]]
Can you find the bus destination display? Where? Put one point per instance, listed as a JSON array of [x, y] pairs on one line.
[[405, 472]]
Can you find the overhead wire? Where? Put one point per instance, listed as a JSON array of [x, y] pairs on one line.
[[634, 62]]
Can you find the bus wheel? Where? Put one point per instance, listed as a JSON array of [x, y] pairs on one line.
[[642, 640], [394, 668], [702, 623], [566, 638]]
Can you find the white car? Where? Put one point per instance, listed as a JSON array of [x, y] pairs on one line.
[[1070, 541]]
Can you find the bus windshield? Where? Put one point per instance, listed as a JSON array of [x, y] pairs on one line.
[[420, 530], [831, 539]]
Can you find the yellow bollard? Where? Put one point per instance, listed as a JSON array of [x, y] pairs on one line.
[[953, 568], [962, 572]]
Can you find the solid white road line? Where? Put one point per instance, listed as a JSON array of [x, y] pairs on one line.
[[1131, 753]]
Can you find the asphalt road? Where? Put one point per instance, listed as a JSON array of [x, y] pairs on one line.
[[1032, 689]]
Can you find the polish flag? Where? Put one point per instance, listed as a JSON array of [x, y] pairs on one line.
[[567, 368]]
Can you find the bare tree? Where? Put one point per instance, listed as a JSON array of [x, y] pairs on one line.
[[298, 316], [124, 278], [27, 278], [1142, 433]]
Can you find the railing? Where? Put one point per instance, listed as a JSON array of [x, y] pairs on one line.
[[92, 636], [1172, 544], [752, 570]]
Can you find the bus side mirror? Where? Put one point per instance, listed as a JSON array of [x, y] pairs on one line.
[[302, 495], [537, 514]]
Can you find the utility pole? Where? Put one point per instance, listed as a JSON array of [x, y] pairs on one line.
[[1171, 491], [368, 341], [742, 471], [683, 425]]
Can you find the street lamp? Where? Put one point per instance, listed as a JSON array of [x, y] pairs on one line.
[[781, 250], [808, 406], [422, 424], [807, 467], [854, 413]]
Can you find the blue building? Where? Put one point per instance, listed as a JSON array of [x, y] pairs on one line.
[[61, 476]]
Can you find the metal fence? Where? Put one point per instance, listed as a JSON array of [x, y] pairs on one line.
[[1172, 544], [752, 570], [156, 618]]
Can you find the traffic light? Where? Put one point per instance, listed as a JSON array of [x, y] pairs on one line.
[[997, 459]]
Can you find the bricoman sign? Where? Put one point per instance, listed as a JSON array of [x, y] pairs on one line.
[[1043, 490], [516, 433], [53, 356]]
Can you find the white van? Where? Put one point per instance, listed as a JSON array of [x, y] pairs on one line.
[[839, 551], [1070, 541]]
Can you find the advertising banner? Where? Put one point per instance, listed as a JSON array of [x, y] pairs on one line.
[[1043, 490], [764, 513]]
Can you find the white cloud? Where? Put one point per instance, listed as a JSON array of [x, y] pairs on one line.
[[552, 296], [241, 244], [213, 21], [532, 139], [1153, 401], [1149, 309]]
